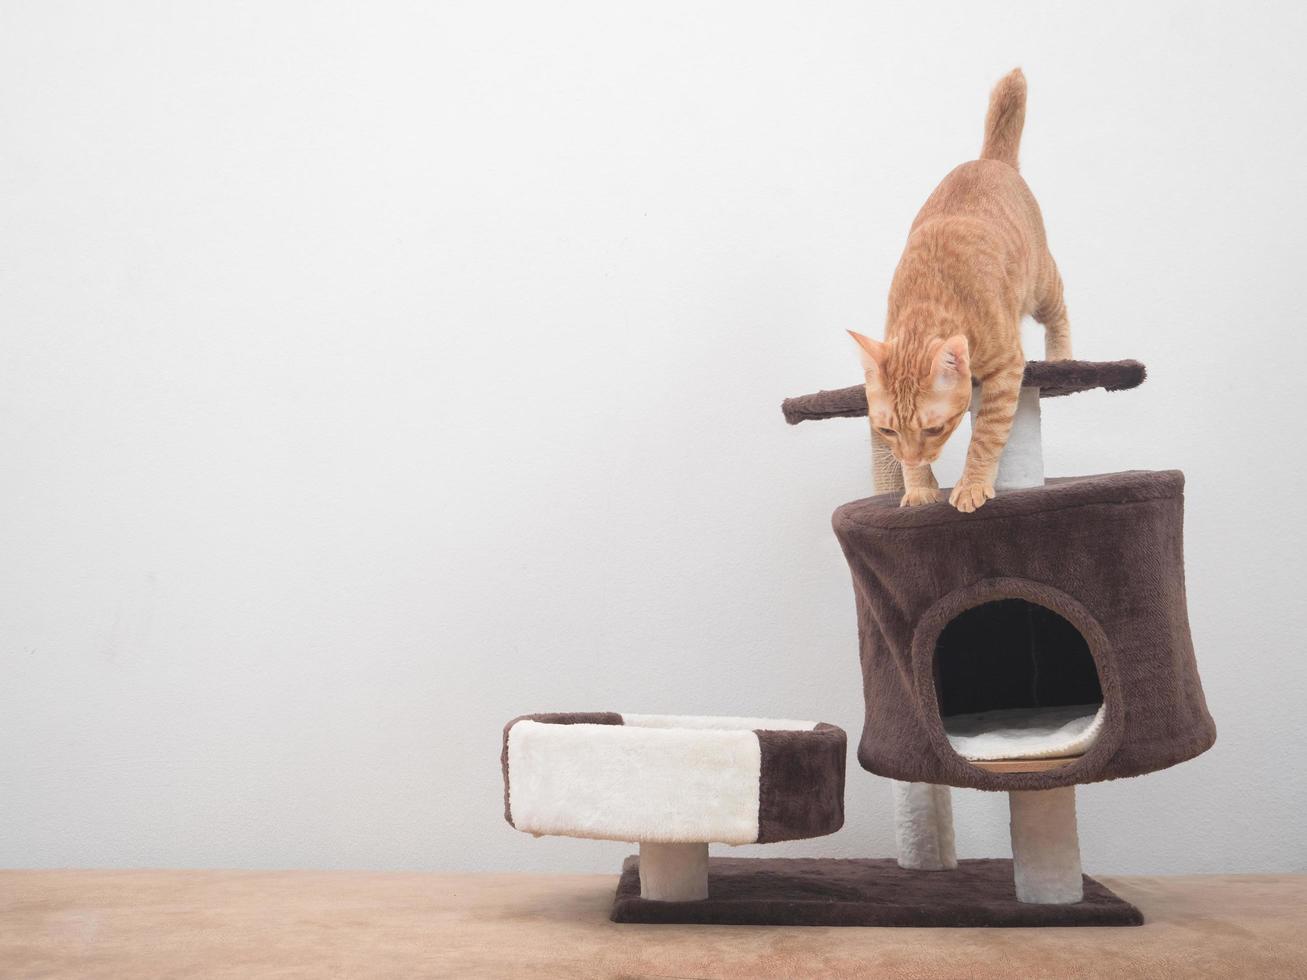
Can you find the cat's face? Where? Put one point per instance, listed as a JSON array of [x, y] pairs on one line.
[[916, 398]]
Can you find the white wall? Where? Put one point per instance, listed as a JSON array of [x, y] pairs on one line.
[[373, 373]]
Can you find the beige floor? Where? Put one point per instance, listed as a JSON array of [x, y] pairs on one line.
[[142, 924]]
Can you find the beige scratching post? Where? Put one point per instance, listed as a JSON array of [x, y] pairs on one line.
[[673, 872], [923, 813], [1045, 844]]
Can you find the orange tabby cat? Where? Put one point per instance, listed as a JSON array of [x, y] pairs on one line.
[[975, 263]]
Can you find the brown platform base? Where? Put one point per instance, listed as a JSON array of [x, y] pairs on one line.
[[864, 892]]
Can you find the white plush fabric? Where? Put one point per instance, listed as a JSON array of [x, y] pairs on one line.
[[1022, 462], [923, 826], [655, 778], [1025, 733]]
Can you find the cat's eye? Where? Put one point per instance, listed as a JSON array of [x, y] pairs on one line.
[[934, 430], [887, 433]]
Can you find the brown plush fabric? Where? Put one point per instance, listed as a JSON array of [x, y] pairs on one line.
[[864, 892], [1105, 553], [1057, 378], [802, 784], [1052, 378], [550, 718]]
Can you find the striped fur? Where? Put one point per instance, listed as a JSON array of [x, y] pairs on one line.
[[976, 262]]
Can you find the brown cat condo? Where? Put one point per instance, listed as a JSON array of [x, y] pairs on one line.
[[1036, 644]]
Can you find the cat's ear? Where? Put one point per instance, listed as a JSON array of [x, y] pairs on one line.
[[952, 363], [872, 352]]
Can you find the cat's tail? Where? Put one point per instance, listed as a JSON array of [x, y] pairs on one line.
[[1006, 116]]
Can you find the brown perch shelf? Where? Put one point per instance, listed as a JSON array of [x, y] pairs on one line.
[[1052, 378]]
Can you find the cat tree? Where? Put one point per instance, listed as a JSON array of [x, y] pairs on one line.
[[1041, 642], [1037, 644]]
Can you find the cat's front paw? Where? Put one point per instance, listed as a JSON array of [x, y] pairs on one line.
[[968, 497], [918, 496]]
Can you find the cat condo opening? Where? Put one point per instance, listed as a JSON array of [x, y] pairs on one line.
[[1014, 680]]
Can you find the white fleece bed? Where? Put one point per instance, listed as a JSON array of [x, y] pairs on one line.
[[1024, 733], [659, 778]]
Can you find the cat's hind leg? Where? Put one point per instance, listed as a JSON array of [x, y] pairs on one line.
[[1051, 312]]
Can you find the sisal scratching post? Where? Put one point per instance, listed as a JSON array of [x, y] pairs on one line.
[[1045, 846], [923, 813], [886, 473], [673, 872]]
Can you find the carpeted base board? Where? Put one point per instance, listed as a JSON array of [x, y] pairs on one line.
[[864, 892]]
